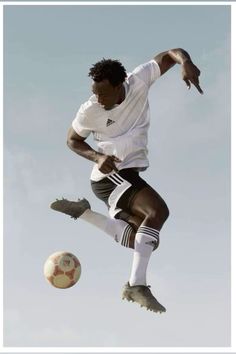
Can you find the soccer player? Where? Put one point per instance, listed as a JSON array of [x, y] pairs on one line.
[[117, 114]]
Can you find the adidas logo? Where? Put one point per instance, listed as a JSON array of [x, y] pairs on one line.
[[109, 122], [151, 243]]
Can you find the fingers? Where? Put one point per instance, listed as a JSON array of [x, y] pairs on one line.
[[190, 74], [198, 88], [116, 159], [113, 167], [187, 83], [195, 82], [109, 164]]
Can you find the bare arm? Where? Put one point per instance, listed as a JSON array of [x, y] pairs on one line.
[[190, 72], [77, 143]]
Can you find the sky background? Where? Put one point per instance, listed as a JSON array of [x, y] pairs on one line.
[[47, 54]]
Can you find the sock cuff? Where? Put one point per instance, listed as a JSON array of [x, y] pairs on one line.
[[149, 231], [126, 236]]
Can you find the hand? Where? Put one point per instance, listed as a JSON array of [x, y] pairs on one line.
[[190, 74], [106, 163]]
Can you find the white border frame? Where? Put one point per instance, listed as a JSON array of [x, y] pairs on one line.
[[232, 348], [1, 169]]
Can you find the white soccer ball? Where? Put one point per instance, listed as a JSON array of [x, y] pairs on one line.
[[62, 269]]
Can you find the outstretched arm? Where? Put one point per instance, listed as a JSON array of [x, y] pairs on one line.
[[190, 72]]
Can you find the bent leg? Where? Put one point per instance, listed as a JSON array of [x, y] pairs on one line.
[[150, 207]]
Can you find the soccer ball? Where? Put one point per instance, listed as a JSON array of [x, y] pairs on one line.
[[62, 269]]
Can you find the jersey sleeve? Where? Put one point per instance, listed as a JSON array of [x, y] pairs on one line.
[[148, 72], [79, 123]]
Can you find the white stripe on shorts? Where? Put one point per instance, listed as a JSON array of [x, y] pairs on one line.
[[122, 186]]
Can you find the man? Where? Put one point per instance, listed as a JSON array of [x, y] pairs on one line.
[[118, 116]]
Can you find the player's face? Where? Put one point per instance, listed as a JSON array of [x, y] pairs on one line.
[[107, 95]]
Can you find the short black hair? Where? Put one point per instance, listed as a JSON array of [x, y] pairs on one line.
[[109, 69]]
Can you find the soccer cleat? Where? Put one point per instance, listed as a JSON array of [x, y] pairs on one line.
[[143, 296], [74, 209]]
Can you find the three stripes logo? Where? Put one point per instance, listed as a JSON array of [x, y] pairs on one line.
[[109, 122], [116, 179]]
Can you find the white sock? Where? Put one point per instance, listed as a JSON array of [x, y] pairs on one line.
[[145, 240], [118, 229]]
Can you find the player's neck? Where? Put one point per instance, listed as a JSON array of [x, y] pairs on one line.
[[122, 95]]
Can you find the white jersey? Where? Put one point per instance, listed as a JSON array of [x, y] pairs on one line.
[[121, 131]]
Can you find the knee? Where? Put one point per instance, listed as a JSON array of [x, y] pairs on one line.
[[166, 212], [159, 212], [135, 222]]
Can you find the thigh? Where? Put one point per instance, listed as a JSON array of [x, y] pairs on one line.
[[118, 189], [146, 202]]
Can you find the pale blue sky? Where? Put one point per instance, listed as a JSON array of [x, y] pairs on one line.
[[48, 51]]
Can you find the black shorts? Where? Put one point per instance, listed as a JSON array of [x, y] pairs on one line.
[[118, 190]]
